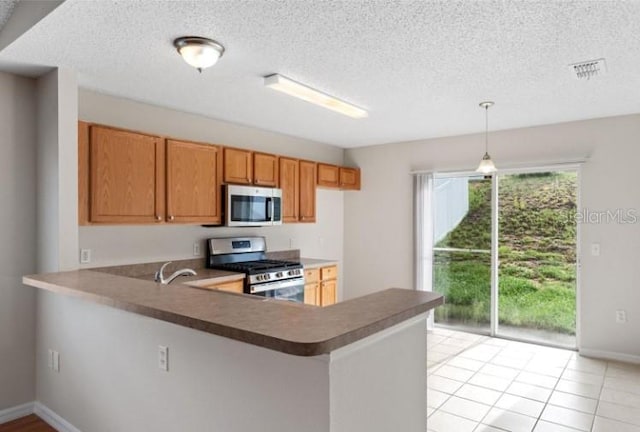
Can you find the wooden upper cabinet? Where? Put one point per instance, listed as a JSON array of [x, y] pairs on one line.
[[307, 191], [265, 169], [328, 176], [127, 176], [350, 178], [193, 182], [238, 166], [290, 184]]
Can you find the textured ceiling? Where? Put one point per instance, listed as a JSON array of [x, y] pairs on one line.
[[419, 67], [6, 7]]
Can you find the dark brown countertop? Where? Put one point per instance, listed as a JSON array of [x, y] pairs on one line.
[[281, 326]]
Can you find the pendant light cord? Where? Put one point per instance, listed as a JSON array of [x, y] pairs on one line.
[[486, 129]]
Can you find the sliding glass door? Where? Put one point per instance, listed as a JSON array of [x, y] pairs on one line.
[[537, 256], [504, 254], [462, 251]]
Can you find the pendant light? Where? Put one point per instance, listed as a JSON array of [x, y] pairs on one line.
[[486, 164]]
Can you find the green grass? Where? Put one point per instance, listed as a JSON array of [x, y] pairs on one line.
[[537, 255]]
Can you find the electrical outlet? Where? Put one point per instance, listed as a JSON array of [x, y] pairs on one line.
[[621, 316], [85, 256], [163, 358], [196, 249], [56, 361], [595, 249]]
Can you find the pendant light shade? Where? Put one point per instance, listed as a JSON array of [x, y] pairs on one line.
[[486, 164], [199, 52]]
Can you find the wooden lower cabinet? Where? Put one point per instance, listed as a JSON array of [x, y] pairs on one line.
[[312, 294], [328, 295], [234, 286], [321, 286]]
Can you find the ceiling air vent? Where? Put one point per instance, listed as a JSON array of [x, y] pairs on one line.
[[589, 69]]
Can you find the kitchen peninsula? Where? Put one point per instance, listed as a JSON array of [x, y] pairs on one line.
[[236, 362]]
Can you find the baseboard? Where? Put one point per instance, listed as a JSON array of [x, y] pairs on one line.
[[6, 415], [609, 355], [49, 416]]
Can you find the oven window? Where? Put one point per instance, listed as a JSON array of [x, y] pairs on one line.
[[295, 294], [248, 208]]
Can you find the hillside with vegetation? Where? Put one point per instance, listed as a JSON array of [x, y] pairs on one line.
[[537, 254]]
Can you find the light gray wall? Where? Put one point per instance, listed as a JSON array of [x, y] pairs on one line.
[[17, 238], [379, 219], [109, 378], [112, 245]]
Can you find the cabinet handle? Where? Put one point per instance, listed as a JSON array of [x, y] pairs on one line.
[[171, 218], [158, 218]]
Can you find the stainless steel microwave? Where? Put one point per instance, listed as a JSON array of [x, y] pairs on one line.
[[253, 206]]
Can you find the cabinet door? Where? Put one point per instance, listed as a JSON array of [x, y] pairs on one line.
[[307, 191], [328, 296], [265, 169], [312, 294], [350, 178], [237, 166], [328, 176], [330, 272], [193, 183], [127, 176], [289, 183]]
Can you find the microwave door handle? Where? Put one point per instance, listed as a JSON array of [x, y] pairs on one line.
[[269, 203]]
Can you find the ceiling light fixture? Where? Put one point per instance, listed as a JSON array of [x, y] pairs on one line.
[[301, 91], [199, 52], [486, 164]]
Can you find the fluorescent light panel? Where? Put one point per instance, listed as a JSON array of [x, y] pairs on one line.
[[301, 91]]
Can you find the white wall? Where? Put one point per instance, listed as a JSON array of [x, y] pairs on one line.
[[17, 238], [109, 378], [127, 244], [379, 223]]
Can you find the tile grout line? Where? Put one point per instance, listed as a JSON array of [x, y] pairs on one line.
[[595, 413]]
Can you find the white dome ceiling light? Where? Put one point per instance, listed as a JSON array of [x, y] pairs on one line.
[[199, 52]]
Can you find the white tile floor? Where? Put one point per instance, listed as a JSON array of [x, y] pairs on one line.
[[480, 384]]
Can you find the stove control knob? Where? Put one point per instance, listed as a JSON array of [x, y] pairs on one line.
[[259, 277], [279, 274], [267, 276]]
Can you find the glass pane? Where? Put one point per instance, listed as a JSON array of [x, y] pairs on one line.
[[537, 257], [462, 252]]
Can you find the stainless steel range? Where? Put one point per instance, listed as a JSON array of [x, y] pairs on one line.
[[282, 280]]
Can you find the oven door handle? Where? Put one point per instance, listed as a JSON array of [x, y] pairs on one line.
[[269, 286]]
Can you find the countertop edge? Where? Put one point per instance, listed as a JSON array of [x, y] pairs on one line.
[[284, 345]]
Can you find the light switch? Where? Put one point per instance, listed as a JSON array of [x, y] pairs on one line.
[[595, 249]]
